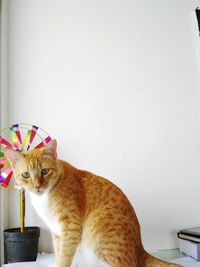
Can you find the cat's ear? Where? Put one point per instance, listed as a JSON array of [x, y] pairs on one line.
[[13, 156], [51, 149]]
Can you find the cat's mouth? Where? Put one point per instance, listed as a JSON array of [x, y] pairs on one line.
[[38, 189]]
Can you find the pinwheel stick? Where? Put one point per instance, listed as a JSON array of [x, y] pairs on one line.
[[22, 209]]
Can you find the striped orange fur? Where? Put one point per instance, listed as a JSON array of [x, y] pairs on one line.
[[88, 216]]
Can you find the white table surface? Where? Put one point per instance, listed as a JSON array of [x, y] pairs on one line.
[[44, 260], [187, 262]]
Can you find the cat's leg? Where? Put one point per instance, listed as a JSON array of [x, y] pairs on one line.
[[56, 242], [68, 244]]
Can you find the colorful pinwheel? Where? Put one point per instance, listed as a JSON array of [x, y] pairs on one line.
[[20, 137]]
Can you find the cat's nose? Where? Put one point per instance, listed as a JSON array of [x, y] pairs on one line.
[[37, 183], [37, 187]]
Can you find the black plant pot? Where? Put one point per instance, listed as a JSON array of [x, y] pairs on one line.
[[20, 247]]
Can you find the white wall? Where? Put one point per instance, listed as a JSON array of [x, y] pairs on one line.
[[117, 84], [3, 115]]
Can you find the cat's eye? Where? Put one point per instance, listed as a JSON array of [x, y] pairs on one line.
[[44, 171], [26, 175]]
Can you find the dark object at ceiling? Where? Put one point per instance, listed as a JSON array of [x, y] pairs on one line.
[[198, 17]]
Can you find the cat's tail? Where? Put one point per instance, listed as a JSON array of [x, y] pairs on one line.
[[150, 261]]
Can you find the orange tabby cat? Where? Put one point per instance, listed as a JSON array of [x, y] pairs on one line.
[[92, 222]]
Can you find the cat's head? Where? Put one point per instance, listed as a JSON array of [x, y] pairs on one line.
[[37, 169]]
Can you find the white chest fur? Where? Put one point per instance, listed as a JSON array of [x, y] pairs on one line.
[[41, 204], [85, 257]]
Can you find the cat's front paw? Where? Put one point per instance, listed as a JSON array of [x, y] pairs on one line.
[[52, 265]]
